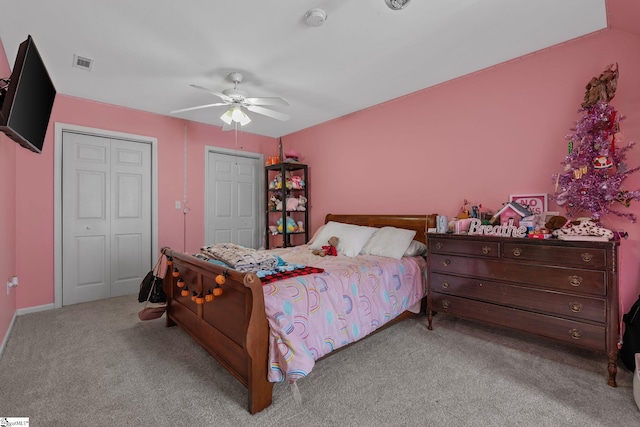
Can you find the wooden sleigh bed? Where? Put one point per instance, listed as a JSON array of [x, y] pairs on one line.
[[234, 327]]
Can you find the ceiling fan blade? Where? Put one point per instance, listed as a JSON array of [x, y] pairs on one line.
[[182, 110], [267, 112], [222, 96], [270, 100]]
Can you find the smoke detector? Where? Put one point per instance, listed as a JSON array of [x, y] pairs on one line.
[[396, 4], [315, 17]]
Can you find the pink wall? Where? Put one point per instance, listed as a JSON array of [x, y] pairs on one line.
[[7, 217], [35, 186], [481, 137]]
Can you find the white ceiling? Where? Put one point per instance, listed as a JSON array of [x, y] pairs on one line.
[[147, 52]]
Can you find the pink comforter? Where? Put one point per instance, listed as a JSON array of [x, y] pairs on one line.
[[309, 316]]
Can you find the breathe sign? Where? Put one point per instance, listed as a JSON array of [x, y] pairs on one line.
[[506, 230]]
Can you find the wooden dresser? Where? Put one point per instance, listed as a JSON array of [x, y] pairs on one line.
[[557, 289]]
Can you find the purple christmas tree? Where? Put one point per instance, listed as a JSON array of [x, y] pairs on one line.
[[595, 167]]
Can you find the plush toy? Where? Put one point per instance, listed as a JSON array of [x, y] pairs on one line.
[[276, 183], [330, 249], [291, 225], [297, 183], [555, 222], [583, 227], [275, 204], [302, 201], [292, 204]]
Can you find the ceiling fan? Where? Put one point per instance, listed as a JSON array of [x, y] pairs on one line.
[[237, 100]]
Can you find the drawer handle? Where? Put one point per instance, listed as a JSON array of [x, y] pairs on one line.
[[445, 285], [587, 257], [446, 262], [486, 250], [439, 245], [575, 281], [446, 304], [575, 334], [575, 307], [517, 252]]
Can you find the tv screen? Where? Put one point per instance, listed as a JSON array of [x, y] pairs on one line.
[[27, 100]]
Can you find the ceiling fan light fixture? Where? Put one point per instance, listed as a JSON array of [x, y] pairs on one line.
[[235, 114], [396, 4], [226, 117]]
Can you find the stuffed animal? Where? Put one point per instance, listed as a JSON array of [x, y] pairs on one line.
[[292, 204], [275, 204], [297, 183], [555, 222], [583, 227], [276, 184], [291, 225], [302, 201], [330, 249]]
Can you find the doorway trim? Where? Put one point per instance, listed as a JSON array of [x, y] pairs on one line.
[[57, 193], [259, 185]]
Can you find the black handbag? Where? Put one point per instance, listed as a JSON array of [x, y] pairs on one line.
[[151, 287], [631, 337]]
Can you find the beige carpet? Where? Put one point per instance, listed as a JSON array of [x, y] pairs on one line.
[[96, 364]]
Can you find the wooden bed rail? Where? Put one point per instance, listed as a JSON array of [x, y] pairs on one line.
[[232, 328]]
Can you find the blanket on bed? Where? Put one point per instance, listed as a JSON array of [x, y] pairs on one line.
[[241, 258], [310, 316]]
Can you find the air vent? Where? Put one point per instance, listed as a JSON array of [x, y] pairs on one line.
[[82, 62]]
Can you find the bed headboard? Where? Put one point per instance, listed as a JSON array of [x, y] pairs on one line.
[[409, 222]]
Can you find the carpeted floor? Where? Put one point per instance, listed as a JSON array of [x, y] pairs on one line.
[[96, 364]]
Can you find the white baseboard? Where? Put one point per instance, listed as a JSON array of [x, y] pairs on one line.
[[35, 309], [20, 312], [6, 337]]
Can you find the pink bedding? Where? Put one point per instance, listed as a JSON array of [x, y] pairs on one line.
[[309, 316]]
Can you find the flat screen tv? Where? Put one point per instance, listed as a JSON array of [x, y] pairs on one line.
[[27, 99]]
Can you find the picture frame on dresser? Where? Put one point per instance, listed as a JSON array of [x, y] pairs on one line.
[[536, 203]]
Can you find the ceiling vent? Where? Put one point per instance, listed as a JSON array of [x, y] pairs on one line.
[[82, 62]]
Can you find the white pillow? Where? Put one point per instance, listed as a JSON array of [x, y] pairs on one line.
[[352, 238], [416, 248], [389, 242]]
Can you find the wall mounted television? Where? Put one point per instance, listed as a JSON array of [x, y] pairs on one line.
[[27, 98]]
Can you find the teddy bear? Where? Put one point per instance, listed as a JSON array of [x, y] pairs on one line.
[[330, 249]]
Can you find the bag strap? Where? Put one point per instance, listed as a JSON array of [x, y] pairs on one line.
[[154, 281], [155, 267]]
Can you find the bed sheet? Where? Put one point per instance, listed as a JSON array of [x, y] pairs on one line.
[[310, 316]]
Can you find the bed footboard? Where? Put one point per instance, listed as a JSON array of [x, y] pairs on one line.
[[232, 327]]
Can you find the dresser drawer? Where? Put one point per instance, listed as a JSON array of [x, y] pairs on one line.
[[574, 280], [594, 258], [555, 303], [574, 332], [490, 249]]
